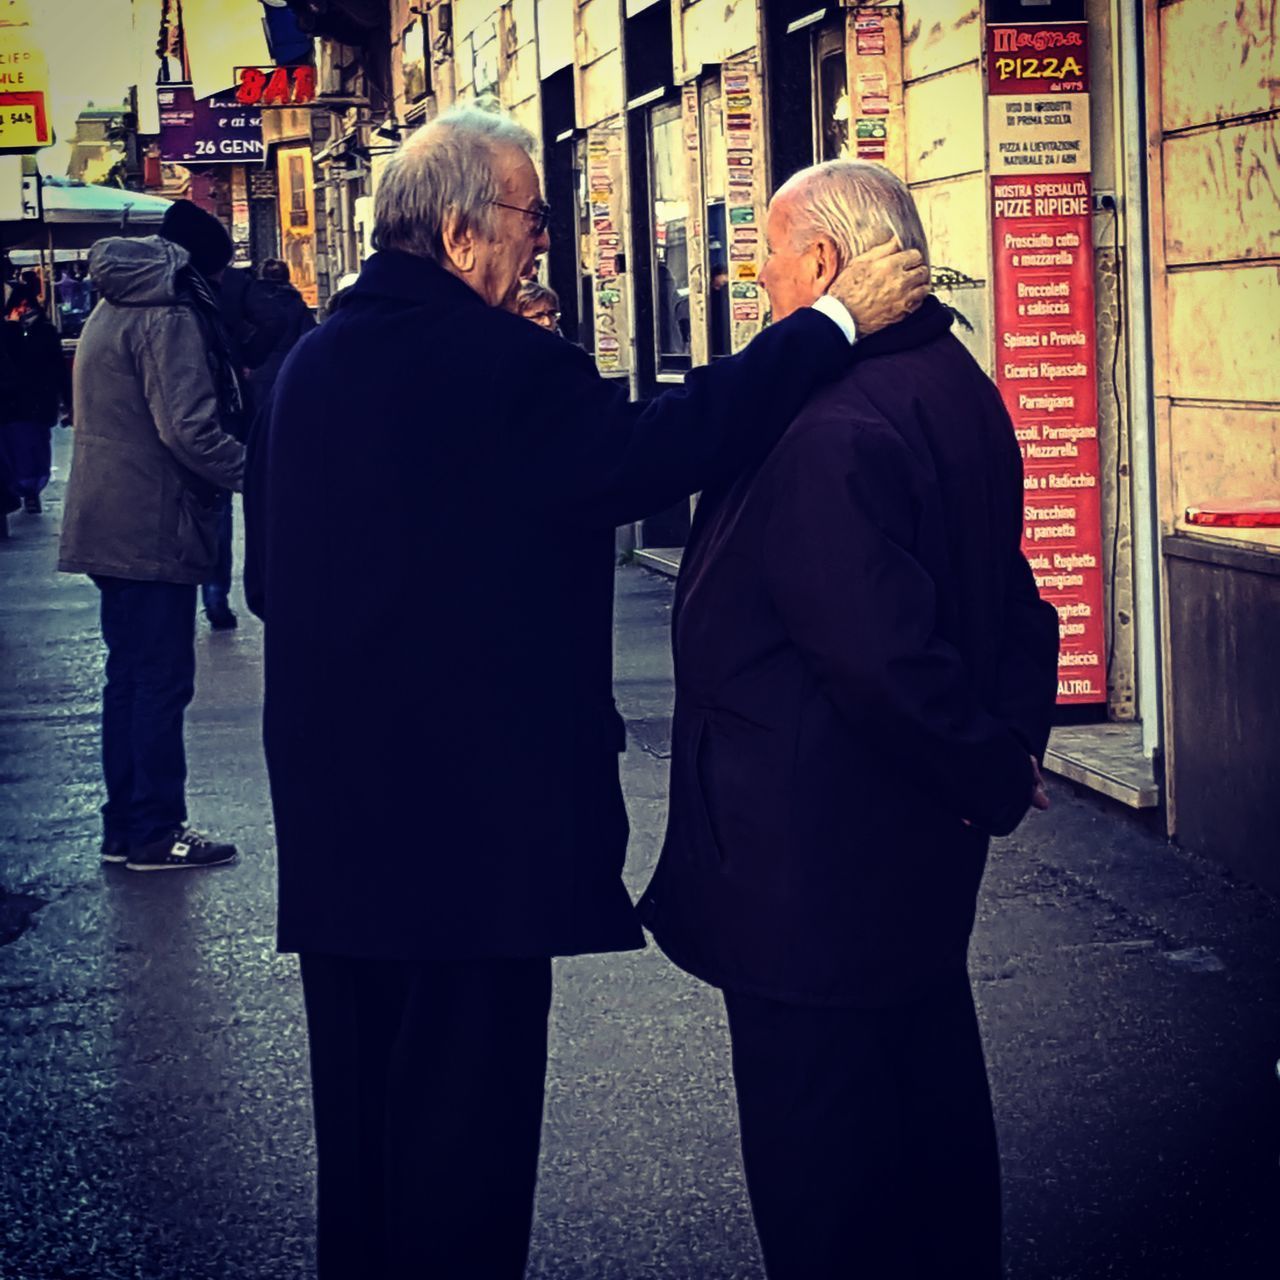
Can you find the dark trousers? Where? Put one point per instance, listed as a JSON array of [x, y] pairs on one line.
[[868, 1139], [149, 629], [214, 593], [427, 1079], [28, 447]]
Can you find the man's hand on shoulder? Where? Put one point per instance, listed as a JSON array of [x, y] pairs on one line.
[[882, 285]]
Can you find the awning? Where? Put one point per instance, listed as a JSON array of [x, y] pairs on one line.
[[78, 213], [66, 201]]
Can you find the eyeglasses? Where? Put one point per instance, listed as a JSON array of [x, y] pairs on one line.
[[540, 213]]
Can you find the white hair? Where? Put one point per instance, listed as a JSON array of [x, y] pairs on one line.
[[444, 170], [856, 204]]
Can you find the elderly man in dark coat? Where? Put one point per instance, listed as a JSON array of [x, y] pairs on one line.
[[864, 676], [444, 754]]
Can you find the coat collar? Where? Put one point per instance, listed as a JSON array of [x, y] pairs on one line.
[[389, 273], [928, 321]]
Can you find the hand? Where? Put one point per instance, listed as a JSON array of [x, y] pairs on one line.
[[1039, 796], [882, 285]]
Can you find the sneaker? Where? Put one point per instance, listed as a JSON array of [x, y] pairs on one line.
[[221, 617], [114, 850], [186, 849]]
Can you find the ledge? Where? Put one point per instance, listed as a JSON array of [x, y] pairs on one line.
[[662, 559], [1106, 758]]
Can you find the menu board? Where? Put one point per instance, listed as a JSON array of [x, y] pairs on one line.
[[1046, 337], [745, 197], [604, 189]]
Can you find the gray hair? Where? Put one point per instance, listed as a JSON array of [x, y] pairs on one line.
[[856, 203], [534, 291], [444, 170]]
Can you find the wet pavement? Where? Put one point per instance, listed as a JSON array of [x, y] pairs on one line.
[[153, 1074]]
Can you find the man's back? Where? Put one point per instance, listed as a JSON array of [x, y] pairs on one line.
[[457, 694], [855, 627]]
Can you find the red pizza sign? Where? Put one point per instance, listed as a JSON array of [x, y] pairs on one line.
[[1045, 336], [1026, 58]]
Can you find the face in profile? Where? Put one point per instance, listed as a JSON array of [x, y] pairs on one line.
[[791, 276], [519, 235]]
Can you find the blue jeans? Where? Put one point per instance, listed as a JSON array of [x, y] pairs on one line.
[[149, 629], [214, 593]]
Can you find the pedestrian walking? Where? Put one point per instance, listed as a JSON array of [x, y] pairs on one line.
[[865, 676], [445, 786], [34, 388], [252, 324], [153, 384], [295, 321]]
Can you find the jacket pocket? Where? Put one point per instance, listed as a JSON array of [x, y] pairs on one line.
[[196, 535], [697, 789]]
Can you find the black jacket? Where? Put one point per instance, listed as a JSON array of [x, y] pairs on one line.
[[294, 322], [863, 664], [439, 722], [33, 374]]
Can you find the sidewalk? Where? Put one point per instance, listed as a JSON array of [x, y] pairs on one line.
[[153, 1060]]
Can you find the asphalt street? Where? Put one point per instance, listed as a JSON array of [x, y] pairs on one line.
[[154, 1107]]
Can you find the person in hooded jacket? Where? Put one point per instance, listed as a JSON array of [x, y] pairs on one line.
[[154, 385]]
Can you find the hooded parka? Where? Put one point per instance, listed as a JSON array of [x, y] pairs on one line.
[[150, 451]]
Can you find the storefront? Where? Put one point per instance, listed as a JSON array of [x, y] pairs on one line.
[[1057, 151]]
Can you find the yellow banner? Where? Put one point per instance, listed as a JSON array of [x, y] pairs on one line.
[[24, 84]]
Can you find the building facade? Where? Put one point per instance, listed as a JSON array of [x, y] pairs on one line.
[[1099, 183]]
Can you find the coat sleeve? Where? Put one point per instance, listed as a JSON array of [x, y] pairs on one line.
[[1028, 681], [588, 456], [863, 611], [179, 388], [255, 523]]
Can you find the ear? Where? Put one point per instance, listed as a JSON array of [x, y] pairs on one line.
[[459, 243], [826, 262]]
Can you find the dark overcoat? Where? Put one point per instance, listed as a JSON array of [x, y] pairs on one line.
[[863, 666], [439, 723]]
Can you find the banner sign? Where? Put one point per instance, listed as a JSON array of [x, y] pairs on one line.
[[213, 130], [1045, 335], [297, 210], [24, 86]]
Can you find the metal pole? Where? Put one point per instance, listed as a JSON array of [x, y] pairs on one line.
[[1143, 492]]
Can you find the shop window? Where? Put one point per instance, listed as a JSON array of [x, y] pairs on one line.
[[669, 244], [714, 188], [808, 77], [830, 95], [413, 61]]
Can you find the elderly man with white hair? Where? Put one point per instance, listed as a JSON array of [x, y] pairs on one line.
[[865, 675], [443, 751]]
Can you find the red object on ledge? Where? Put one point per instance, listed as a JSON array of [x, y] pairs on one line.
[[1264, 514]]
